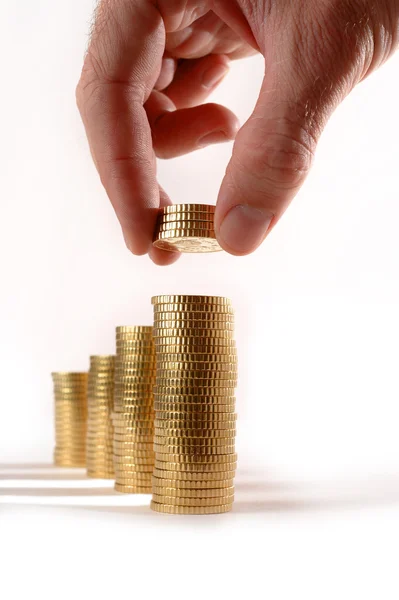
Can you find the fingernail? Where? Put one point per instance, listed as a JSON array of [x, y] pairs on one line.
[[216, 137], [212, 76], [244, 228]]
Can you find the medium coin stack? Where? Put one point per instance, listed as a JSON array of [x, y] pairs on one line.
[[133, 416], [100, 431], [186, 228], [70, 395], [195, 420]]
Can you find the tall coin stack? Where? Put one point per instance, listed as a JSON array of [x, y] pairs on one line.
[[195, 420], [100, 400], [133, 416], [70, 395], [186, 228]]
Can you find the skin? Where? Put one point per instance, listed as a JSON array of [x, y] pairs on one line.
[[151, 65]]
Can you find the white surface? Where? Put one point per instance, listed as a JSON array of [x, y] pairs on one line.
[[317, 328]]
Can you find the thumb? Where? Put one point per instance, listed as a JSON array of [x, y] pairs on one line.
[[272, 156]]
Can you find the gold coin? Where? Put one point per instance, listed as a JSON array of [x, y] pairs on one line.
[[187, 241], [194, 476], [193, 409], [136, 375], [144, 433], [168, 481], [187, 374], [134, 477], [136, 353], [192, 445], [188, 225], [138, 413], [188, 417], [134, 431], [170, 400], [132, 392], [137, 418], [187, 304], [214, 367], [190, 345], [183, 217], [192, 385], [189, 510], [134, 335], [134, 329], [134, 365], [132, 445], [143, 482], [168, 453], [223, 434], [65, 375], [204, 312], [222, 352], [140, 380], [176, 501], [196, 429], [201, 459], [125, 489], [162, 490], [205, 332], [186, 232], [135, 465], [181, 326], [71, 394], [133, 462], [133, 438], [177, 208], [197, 461], [71, 464]]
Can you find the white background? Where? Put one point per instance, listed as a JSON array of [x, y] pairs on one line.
[[317, 511]]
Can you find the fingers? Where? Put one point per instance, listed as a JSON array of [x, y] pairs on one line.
[[272, 156], [163, 258], [194, 80], [122, 66], [177, 132], [168, 70]]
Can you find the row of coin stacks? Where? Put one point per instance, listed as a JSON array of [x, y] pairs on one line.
[[161, 414]]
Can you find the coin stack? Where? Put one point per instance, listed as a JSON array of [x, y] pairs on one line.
[[186, 228], [133, 416], [195, 420], [70, 394], [100, 402]]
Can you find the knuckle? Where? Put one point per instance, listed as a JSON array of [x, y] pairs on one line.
[[281, 156]]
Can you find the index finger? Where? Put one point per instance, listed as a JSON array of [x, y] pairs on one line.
[[121, 68]]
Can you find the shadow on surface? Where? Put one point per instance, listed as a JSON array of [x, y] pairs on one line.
[[58, 492], [264, 498], [254, 495], [40, 472]]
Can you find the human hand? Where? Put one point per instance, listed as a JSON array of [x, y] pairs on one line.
[[138, 99]]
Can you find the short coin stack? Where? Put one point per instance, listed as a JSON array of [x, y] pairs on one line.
[[100, 401], [195, 420], [70, 394], [133, 416], [186, 228]]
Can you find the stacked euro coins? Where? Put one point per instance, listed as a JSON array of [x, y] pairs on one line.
[[133, 415], [186, 228], [194, 400], [70, 395], [100, 402]]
